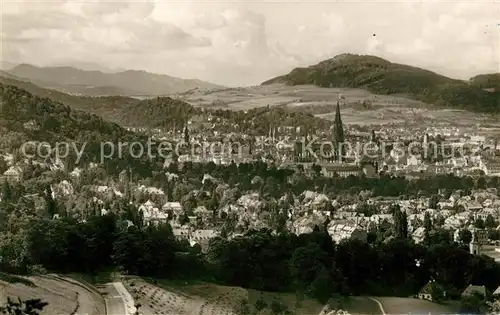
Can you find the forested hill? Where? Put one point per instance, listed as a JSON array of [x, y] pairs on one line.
[[126, 111], [487, 81], [51, 119], [26, 117], [380, 76]]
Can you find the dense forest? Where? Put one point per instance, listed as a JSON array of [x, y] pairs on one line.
[[380, 76]]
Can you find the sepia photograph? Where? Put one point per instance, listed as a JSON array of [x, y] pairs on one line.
[[249, 157]]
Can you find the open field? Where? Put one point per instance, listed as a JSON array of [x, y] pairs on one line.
[[353, 305], [397, 305], [489, 250], [233, 296], [165, 300], [305, 307], [200, 298], [384, 108], [64, 297]]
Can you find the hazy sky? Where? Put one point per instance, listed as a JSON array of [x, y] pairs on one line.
[[247, 42]]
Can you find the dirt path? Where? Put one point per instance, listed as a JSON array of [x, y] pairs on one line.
[[115, 305], [379, 305]]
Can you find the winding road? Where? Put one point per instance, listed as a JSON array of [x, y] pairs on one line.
[[115, 305], [379, 305]]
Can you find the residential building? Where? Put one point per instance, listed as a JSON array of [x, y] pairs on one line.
[[427, 292], [343, 170], [340, 232], [181, 233], [202, 237], [496, 293], [13, 174], [472, 290], [175, 207], [151, 214], [418, 235], [31, 125]]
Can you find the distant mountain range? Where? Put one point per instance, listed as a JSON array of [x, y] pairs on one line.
[[86, 66], [6, 65], [379, 76], [97, 83]]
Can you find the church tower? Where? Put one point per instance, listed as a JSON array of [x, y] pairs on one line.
[[338, 134], [477, 242]]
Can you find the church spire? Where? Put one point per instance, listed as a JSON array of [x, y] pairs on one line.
[[338, 131]]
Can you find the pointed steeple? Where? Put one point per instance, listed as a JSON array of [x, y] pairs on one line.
[[338, 130]]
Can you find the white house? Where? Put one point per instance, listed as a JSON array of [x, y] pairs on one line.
[[339, 232]]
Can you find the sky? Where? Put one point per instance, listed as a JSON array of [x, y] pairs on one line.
[[237, 43]]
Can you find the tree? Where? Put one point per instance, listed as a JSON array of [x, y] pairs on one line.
[[427, 227], [316, 170], [479, 223], [3, 165], [367, 210], [481, 183], [433, 202], [6, 192], [305, 265], [27, 307], [400, 223], [439, 221], [322, 287], [186, 134], [473, 304], [183, 218], [490, 223], [277, 308], [260, 304], [465, 236], [437, 292], [50, 203]]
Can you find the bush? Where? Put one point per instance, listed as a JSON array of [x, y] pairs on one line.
[[37, 270]]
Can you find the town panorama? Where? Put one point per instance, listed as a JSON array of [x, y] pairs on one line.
[[249, 158]]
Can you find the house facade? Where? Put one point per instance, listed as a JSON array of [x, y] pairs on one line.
[[342, 170], [430, 291], [340, 232], [13, 174]]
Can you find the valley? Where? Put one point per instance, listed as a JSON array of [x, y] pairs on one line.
[[380, 109]]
